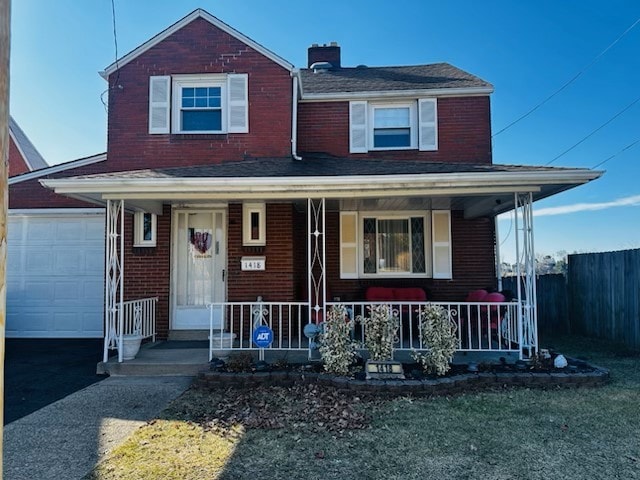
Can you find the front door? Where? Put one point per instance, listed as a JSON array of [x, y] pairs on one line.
[[199, 263]]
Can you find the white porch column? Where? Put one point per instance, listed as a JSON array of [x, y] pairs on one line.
[[114, 268], [526, 260], [316, 254]]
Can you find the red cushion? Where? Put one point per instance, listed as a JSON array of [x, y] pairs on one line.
[[476, 296], [494, 297], [379, 294], [409, 294]]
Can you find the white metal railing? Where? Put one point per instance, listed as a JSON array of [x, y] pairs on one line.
[[480, 327], [139, 318], [285, 319]]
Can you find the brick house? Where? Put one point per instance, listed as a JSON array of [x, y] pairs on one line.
[[234, 180]]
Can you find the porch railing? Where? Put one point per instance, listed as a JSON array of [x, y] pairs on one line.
[[285, 319], [480, 327], [139, 317]]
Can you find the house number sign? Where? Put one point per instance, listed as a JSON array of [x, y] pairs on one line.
[[252, 263], [383, 370]]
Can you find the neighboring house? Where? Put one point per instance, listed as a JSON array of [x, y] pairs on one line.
[[231, 175], [55, 258]]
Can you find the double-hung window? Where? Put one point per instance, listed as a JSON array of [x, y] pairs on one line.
[[410, 125], [393, 126], [198, 105], [144, 229]]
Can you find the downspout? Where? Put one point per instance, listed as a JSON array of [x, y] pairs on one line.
[[498, 259], [294, 118]]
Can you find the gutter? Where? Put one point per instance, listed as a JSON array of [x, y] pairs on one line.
[[294, 118]]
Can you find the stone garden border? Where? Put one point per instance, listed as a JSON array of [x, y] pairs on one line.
[[457, 384]]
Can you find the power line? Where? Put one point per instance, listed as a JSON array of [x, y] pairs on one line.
[[616, 154], [115, 42], [594, 131], [573, 79]]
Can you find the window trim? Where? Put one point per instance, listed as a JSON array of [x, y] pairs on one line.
[[194, 81], [413, 124], [247, 210], [138, 230], [389, 215]]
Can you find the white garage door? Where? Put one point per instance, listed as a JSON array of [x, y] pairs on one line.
[[55, 274]]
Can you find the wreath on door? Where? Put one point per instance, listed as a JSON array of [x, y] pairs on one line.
[[201, 241]]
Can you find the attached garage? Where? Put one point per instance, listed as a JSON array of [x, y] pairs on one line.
[[55, 273]]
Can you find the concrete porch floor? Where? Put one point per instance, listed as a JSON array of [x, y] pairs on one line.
[[171, 358]]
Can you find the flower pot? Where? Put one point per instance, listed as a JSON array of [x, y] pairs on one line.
[[222, 344], [130, 346]]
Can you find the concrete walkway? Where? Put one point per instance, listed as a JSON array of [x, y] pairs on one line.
[[69, 437]]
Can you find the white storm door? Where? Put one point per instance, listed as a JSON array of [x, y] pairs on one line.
[[199, 264]]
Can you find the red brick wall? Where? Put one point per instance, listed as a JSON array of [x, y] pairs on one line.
[[198, 47], [464, 131], [17, 165], [147, 270], [276, 282], [473, 263]]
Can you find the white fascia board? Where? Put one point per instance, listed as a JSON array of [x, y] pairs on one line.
[[198, 13], [289, 187], [46, 212], [433, 92], [101, 157]]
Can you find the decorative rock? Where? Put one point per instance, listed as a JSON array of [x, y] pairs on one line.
[[560, 361]]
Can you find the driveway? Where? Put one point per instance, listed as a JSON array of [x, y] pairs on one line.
[[41, 371]]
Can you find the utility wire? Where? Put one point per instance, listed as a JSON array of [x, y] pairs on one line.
[[115, 42], [573, 79], [616, 154], [594, 131]]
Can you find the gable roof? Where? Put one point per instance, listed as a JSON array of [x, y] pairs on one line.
[[198, 13], [432, 79], [29, 153]]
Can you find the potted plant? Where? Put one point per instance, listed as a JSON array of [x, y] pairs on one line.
[[131, 342]]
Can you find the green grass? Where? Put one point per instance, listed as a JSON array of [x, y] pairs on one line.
[[511, 434]]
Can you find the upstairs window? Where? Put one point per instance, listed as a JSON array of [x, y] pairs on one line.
[[201, 109], [198, 104], [393, 126]]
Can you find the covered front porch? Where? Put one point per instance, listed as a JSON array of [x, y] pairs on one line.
[[306, 261]]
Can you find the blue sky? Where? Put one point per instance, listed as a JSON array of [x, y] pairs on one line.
[[526, 49]]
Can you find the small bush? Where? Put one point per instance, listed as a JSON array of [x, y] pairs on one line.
[[239, 362], [438, 336], [336, 346], [380, 332]]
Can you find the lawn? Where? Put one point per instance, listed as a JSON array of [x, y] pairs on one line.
[[317, 434]]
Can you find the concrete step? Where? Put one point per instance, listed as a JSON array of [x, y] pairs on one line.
[[180, 335], [152, 361]]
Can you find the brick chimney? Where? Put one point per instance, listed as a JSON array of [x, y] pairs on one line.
[[324, 53]]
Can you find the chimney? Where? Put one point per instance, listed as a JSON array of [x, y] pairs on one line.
[[324, 53]]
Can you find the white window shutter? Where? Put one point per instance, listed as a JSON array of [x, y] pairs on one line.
[[238, 102], [358, 127], [348, 245], [159, 104], [427, 124], [441, 242]]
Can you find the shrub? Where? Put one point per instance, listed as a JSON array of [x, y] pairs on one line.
[[336, 347], [438, 335], [380, 332]]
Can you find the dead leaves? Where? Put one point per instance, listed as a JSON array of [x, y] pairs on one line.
[[301, 407]]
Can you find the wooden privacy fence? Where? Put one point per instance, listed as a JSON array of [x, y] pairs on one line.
[[553, 312], [604, 294]]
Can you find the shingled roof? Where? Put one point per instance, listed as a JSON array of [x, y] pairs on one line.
[[318, 166], [30, 154], [388, 79]]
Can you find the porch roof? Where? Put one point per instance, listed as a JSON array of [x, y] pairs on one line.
[[478, 189]]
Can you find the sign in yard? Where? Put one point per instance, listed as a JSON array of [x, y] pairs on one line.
[[383, 370], [262, 336]]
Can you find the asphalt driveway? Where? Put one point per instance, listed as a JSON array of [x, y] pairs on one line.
[[41, 371]]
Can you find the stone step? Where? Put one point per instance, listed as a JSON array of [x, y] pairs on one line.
[[188, 335], [156, 361]]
